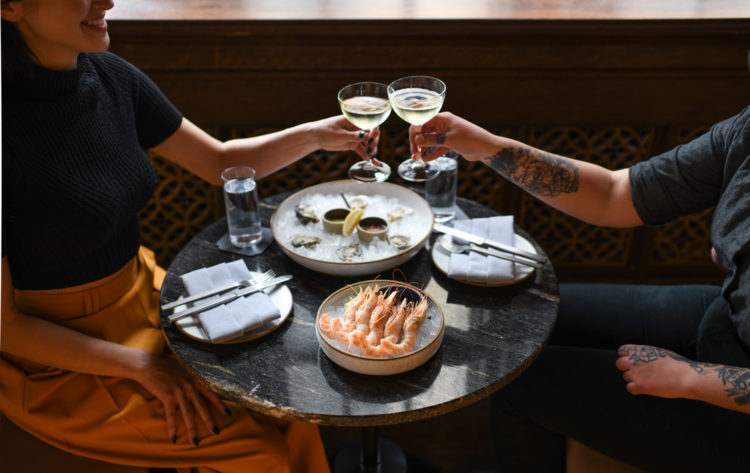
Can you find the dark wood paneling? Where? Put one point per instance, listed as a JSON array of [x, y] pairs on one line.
[[681, 68]]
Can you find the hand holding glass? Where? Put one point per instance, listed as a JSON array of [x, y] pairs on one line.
[[366, 106], [417, 99]]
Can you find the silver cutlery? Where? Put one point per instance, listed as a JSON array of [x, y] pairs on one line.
[[480, 242], [229, 297], [453, 247], [218, 290]]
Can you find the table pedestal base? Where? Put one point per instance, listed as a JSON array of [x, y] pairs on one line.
[[372, 454]]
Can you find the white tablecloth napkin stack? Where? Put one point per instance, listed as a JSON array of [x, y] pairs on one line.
[[476, 267], [233, 319]]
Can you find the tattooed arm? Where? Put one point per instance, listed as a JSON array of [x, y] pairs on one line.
[[583, 190], [659, 372]]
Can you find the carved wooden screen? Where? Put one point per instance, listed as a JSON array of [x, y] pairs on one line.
[[184, 204]]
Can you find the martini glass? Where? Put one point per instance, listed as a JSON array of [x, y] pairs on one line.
[[417, 99], [366, 106]]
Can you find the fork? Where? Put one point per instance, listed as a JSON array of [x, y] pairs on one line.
[[446, 242], [217, 290]]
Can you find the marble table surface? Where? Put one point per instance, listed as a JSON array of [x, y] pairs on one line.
[[491, 335]]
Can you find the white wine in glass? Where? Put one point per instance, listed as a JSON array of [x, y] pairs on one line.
[[417, 99], [366, 106]]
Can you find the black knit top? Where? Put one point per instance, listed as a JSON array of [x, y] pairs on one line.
[[74, 171]]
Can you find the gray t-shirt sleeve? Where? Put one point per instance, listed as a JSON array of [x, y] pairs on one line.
[[682, 181]]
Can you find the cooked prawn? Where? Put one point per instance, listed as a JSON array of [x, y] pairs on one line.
[[362, 319], [396, 321], [379, 317], [353, 305], [411, 327]]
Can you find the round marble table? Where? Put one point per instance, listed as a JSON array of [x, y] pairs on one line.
[[491, 335]]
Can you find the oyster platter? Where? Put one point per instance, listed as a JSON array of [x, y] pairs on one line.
[[349, 228]]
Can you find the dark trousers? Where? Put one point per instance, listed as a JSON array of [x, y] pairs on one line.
[[573, 388]]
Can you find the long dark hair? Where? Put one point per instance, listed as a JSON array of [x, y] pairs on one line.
[[17, 58]]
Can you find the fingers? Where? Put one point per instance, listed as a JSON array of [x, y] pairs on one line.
[[626, 350], [188, 416], [624, 363], [632, 389], [434, 152], [366, 143], [215, 400], [188, 403], [170, 409]]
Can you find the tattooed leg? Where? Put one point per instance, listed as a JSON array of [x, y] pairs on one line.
[[541, 173]]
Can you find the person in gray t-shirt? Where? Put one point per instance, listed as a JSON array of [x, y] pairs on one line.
[[684, 351]]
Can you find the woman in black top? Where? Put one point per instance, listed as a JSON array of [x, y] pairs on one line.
[[84, 365]]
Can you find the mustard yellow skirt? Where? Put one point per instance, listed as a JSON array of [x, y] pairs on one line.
[[115, 419]]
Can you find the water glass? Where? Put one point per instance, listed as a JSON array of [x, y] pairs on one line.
[[440, 191], [241, 201]]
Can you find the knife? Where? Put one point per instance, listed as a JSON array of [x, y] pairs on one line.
[[477, 240], [228, 297]]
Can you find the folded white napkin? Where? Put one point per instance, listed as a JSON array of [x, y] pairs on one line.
[[235, 318], [479, 268]]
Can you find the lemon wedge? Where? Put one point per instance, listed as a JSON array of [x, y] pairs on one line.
[[351, 220]]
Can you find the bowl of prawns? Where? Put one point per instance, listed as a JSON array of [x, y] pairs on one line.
[[379, 327]]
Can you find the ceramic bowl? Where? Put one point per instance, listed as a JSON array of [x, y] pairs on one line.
[[372, 227], [421, 221], [429, 339], [333, 220]]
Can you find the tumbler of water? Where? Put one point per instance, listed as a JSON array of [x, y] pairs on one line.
[[241, 201], [440, 191]]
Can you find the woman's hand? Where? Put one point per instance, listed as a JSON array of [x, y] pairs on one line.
[[180, 394], [446, 132], [338, 134]]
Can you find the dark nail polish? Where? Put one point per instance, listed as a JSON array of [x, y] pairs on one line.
[[215, 430], [174, 438], [226, 409], [369, 142], [369, 150], [361, 134], [195, 441]]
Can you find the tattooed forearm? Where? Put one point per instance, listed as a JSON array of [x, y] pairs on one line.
[[736, 381], [541, 173]]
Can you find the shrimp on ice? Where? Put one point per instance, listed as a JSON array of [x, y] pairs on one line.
[[411, 327], [334, 328], [396, 322], [379, 317], [352, 306], [362, 320]]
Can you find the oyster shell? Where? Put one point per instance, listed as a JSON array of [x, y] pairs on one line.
[[359, 201], [308, 241], [398, 212], [399, 241], [349, 252], [305, 213]]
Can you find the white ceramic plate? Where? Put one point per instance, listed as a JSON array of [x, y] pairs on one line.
[[428, 341], [420, 222], [441, 257], [280, 295]]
